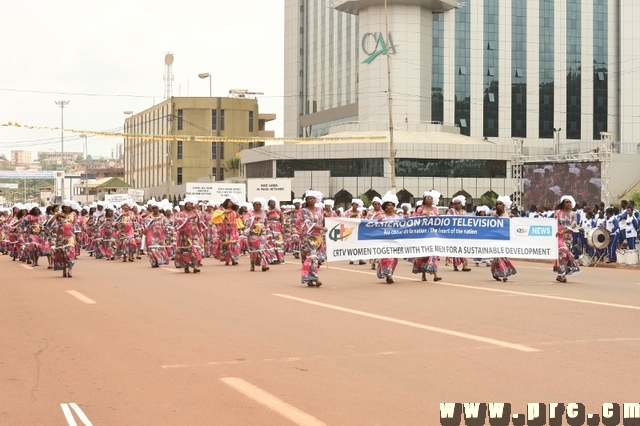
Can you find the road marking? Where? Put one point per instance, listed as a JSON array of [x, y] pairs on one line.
[[69, 416], [81, 297], [487, 340], [521, 293], [26, 266], [286, 410]]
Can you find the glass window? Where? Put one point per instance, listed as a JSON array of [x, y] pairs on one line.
[[221, 119], [214, 150], [354, 167], [180, 119], [179, 178], [179, 153], [450, 168], [251, 121], [214, 119], [221, 150]]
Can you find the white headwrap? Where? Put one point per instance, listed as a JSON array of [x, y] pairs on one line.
[[390, 196], [433, 194], [312, 193], [260, 200], [376, 200], [407, 205], [461, 198], [274, 199], [357, 201], [570, 198], [191, 199], [329, 203], [297, 200], [485, 209], [506, 200]]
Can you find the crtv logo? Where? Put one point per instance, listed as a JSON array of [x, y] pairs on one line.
[[340, 233], [373, 45], [535, 231]]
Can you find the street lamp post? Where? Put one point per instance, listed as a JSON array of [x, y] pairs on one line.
[[62, 104], [128, 144], [86, 169], [204, 75]]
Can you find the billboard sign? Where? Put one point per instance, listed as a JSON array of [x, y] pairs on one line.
[[136, 195], [216, 191], [545, 183], [279, 188], [30, 174]]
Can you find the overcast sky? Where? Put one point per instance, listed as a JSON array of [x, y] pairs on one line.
[[108, 57]]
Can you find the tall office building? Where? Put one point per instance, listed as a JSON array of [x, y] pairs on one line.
[[546, 71]]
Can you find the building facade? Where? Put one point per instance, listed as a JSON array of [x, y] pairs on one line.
[[163, 165], [20, 158], [555, 73]]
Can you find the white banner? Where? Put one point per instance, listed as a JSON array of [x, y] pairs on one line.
[[136, 195], [453, 236], [279, 188], [9, 185], [116, 198], [217, 191], [30, 174]]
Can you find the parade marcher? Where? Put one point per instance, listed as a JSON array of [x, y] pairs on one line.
[[427, 265], [32, 225], [566, 264], [355, 212], [482, 211], [64, 254], [108, 229], [127, 244], [312, 232], [190, 228], [228, 250], [501, 267], [387, 266], [612, 225], [375, 213], [457, 208], [259, 252], [155, 229], [629, 224], [274, 225]]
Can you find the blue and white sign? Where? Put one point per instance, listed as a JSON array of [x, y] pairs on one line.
[[454, 236]]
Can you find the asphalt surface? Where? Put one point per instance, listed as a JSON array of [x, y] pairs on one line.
[[124, 344]]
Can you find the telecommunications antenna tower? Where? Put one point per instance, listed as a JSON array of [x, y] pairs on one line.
[[168, 75]]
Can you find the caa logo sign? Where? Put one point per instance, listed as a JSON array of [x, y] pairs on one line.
[[535, 231]]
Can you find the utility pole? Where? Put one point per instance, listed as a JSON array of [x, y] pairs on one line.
[[392, 147], [62, 104]]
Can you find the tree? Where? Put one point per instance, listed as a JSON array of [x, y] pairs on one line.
[[232, 165]]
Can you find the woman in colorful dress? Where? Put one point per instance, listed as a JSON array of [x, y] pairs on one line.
[[127, 245], [312, 231], [108, 233], [256, 225], [244, 215], [501, 267], [427, 265], [32, 226], [64, 254], [375, 213], [482, 211], [566, 264], [190, 228], [210, 232], [457, 209], [387, 266], [355, 212], [274, 224], [229, 240], [155, 230]]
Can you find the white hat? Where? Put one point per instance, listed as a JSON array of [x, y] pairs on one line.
[[274, 199], [506, 200], [67, 203], [461, 198], [390, 196], [312, 193], [260, 200], [407, 205], [595, 181], [570, 198], [376, 200], [297, 201], [593, 169], [191, 199], [329, 203], [433, 194], [485, 209], [357, 201]]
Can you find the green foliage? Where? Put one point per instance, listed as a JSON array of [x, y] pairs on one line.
[[635, 197], [365, 200], [488, 200], [232, 165]]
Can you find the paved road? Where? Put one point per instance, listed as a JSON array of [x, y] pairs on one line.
[[124, 344]]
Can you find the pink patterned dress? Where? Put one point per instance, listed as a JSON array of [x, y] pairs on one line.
[[427, 264], [190, 228], [156, 237], [64, 255], [387, 266], [312, 241]]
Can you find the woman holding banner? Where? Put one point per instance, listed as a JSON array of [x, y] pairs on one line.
[[311, 220], [427, 265], [225, 218], [501, 267], [387, 266], [567, 220], [458, 210], [190, 228]]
